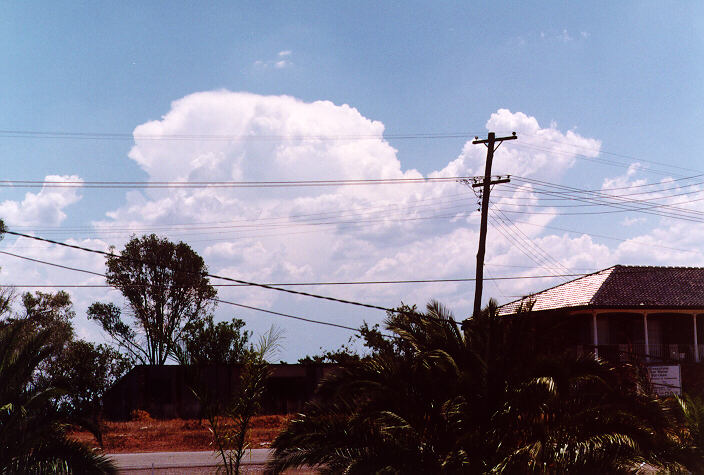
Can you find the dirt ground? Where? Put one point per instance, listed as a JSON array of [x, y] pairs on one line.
[[151, 435]]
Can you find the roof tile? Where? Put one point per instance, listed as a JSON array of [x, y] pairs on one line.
[[622, 287]]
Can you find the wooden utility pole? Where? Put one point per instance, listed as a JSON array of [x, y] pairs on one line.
[[492, 143]]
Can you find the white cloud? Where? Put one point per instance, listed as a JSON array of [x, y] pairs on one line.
[[333, 233], [615, 184], [545, 152], [629, 221], [17, 271], [280, 62], [339, 233], [45, 208], [563, 36]]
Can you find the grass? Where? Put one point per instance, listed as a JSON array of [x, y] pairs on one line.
[[145, 434]]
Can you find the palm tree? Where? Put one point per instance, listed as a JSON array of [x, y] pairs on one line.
[[476, 400], [689, 448], [32, 433]]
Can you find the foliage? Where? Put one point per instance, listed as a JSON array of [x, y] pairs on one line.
[[7, 296], [87, 371], [437, 399], [83, 370], [689, 412], [49, 313], [230, 433], [207, 343], [373, 340], [53, 312], [166, 288], [32, 437], [342, 355]]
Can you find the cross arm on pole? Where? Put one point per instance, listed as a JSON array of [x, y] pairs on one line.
[[492, 143], [492, 182], [496, 139]]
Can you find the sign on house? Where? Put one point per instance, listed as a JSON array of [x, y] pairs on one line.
[[666, 379]]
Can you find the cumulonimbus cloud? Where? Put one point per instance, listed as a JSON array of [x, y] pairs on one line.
[[331, 233]]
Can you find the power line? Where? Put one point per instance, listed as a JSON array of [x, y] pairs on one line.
[[240, 235], [599, 150], [389, 215], [601, 160], [571, 192], [358, 282], [204, 225], [603, 236], [570, 196], [623, 204], [35, 134], [220, 184], [286, 315], [321, 322], [213, 276], [525, 250], [52, 264], [228, 302], [553, 264], [291, 284]]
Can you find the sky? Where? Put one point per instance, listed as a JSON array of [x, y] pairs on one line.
[[604, 96]]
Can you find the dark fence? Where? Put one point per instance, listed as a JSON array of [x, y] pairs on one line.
[[165, 391]]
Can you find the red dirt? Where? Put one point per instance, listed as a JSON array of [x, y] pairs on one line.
[[151, 435]]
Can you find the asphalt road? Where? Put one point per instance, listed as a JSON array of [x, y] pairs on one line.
[[183, 462], [171, 463]]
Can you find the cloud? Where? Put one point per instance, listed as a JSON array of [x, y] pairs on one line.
[[632, 221], [563, 36], [45, 208], [18, 271], [539, 151], [332, 233], [280, 62], [348, 233]]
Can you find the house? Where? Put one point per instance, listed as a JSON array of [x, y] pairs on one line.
[[655, 314], [164, 391]]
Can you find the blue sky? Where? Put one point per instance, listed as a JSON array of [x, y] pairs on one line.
[[627, 75]]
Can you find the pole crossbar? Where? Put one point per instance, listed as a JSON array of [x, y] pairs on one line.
[[492, 143]]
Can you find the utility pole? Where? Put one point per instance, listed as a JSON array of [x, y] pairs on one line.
[[491, 143]]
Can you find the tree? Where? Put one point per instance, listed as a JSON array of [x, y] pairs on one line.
[[166, 288], [32, 432], [230, 421], [207, 343], [437, 399], [83, 370], [86, 371], [53, 312], [689, 412]]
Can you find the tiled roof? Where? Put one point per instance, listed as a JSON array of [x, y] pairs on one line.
[[622, 287]]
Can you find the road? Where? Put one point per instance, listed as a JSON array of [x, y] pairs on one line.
[[168, 463]]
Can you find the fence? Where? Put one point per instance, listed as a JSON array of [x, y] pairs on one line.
[[675, 352]]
